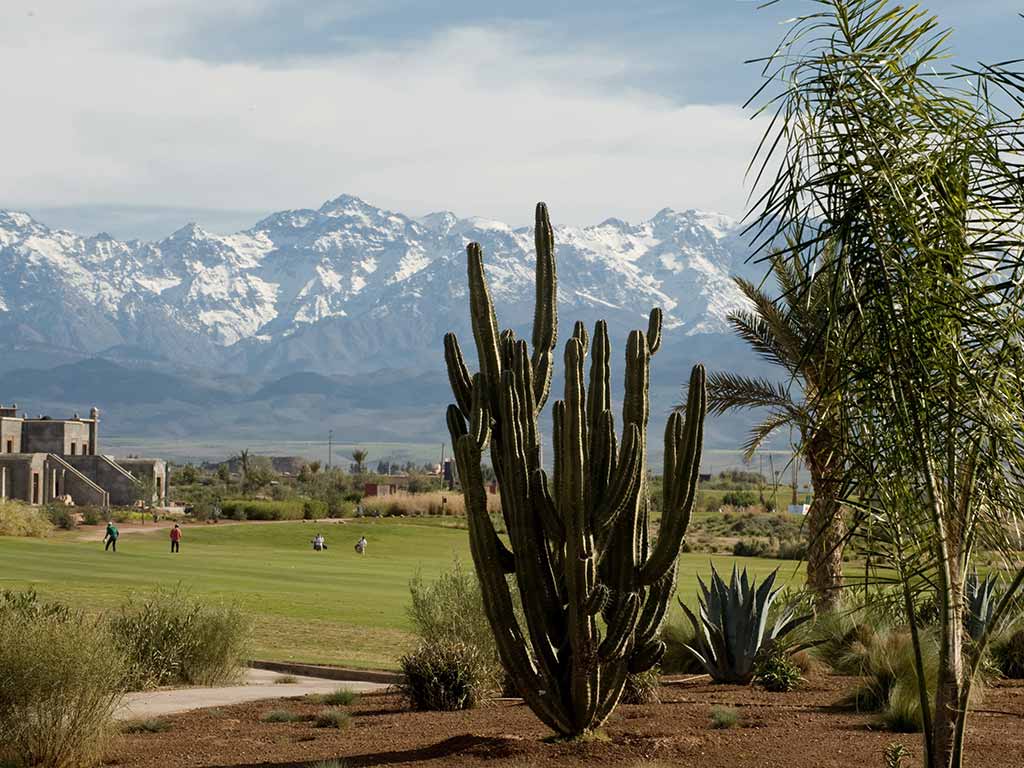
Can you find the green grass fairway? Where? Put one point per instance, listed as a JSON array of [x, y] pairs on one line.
[[331, 607]]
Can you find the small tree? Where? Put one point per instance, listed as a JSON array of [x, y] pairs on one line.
[[359, 457]]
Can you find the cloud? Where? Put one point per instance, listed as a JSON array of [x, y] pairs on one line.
[[479, 120]]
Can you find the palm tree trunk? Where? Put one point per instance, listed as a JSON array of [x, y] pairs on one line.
[[826, 528]]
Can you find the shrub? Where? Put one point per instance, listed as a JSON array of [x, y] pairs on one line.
[[170, 637], [739, 499], [59, 688], [281, 716], [149, 725], [91, 516], [251, 509], [776, 671], [642, 688], [333, 718], [724, 717], [752, 548], [443, 676], [26, 606], [1008, 654], [286, 680], [451, 610], [340, 698], [22, 520], [313, 509], [792, 550], [678, 658], [62, 517]]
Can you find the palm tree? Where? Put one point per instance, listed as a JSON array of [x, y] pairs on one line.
[[792, 333], [359, 456]]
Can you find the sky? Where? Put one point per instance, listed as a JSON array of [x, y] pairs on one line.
[[135, 118]]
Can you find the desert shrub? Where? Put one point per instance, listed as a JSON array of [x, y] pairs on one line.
[[281, 716], [170, 637], [26, 606], [678, 659], [60, 685], [893, 755], [148, 725], [62, 517], [22, 520], [312, 509], [739, 498], [413, 504], [642, 687], [792, 550], [91, 515], [753, 548], [262, 509], [333, 718], [286, 680], [442, 676], [451, 610], [724, 717], [776, 671], [342, 697], [1008, 654]]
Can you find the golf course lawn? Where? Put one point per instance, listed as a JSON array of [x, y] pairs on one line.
[[332, 607]]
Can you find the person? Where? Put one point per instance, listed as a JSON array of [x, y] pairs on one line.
[[318, 543], [176, 538], [361, 545], [110, 538]]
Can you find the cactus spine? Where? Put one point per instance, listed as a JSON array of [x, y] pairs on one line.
[[594, 587]]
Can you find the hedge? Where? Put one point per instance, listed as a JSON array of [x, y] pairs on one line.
[[291, 509]]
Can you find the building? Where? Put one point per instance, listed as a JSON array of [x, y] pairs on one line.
[[45, 459]]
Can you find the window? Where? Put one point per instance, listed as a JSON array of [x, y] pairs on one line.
[[10, 446], [35, 487], [73, 447], [3, 482]]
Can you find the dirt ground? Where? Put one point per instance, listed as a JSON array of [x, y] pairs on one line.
[[802, 729]]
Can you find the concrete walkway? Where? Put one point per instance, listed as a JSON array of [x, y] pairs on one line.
[[259, 684]]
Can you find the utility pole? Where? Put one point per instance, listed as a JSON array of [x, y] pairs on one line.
[[330, 447]]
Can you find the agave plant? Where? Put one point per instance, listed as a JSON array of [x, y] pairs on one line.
[[980, 599], [733, 625]]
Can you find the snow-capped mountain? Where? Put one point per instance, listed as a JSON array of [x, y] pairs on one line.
[[349, 287]]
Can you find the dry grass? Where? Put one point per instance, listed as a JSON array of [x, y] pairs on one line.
[[433, 503]]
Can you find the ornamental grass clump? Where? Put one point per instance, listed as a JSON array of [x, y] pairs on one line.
[[580, 545], [60, 684], [443, 677]]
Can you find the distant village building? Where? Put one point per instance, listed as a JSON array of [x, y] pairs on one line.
[[44, 460]]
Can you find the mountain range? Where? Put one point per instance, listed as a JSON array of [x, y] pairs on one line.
[[334, 316]]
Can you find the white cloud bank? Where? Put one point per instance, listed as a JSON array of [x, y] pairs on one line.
[[477, 120]]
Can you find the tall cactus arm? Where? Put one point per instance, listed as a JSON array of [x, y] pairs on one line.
[[480, 420], [625, 484], [458, 374], [545, 316], [676, 516], [620, 628], [654, 331], [485, 324]]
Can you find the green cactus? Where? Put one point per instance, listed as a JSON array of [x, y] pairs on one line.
[[593, 583]]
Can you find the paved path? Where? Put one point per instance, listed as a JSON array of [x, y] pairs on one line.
[[259, 685]]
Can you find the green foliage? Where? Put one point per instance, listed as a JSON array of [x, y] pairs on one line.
[[1008, 653], [443, 677], [642, 687], [170, 637], [893, 755], [60, 685], [26, 606], [61, 516], [724, 717], [740, 499], [732, 628], [286, 680], [91, 515], [342, 697], [313, 509], [980, 599], [147, 725], [776, 671], [581, 545], [451, 610], [334, 718], [248, 509], [282, 716], [679, 637], [752, 548], [792, 550]]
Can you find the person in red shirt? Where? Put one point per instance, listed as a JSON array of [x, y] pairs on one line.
[[175, 538]]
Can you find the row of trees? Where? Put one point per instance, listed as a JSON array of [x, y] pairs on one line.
[[892, 217]]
